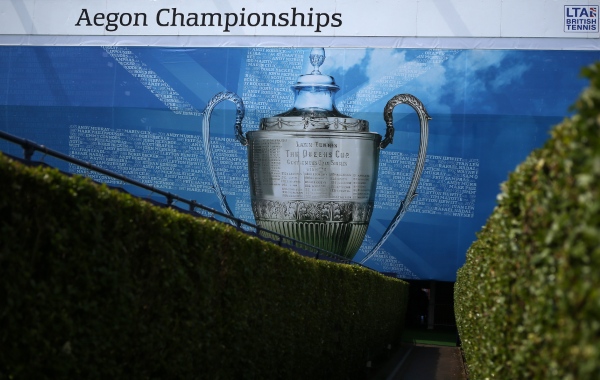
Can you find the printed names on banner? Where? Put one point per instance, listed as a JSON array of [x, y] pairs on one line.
[[231, 164], [385, 261], [268, 76], [167, 161], [447, 187], [151, 80], [389, 263]]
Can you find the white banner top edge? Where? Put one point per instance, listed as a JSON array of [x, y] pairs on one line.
[[331, 42]]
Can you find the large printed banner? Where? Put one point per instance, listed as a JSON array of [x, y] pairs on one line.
[[129, 86], [138, 111]]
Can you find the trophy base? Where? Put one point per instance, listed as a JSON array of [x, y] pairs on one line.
[[341, 238]]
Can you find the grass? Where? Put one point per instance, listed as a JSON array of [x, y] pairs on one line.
[[439, 336]]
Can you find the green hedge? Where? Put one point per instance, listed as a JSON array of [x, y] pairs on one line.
[[96, 284], [527, 300]]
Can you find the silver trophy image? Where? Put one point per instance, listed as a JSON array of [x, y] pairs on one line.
[[313, 170]]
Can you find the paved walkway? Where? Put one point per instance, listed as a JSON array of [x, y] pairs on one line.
[[421, 362]]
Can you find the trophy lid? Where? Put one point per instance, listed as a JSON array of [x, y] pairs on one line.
[[315, 79], [314, 104]]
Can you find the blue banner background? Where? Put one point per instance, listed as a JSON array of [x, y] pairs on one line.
[[137, 111]]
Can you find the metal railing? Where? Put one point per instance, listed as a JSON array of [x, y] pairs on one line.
[[30, 147]]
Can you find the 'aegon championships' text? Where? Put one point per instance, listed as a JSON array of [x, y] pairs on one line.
[[170, 17]]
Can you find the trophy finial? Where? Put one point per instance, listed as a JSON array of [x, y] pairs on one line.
[[317, 57]]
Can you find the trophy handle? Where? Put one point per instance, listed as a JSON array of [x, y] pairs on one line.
[[239, 115], [388, 139]]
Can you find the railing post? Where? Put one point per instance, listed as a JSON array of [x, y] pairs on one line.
[[28, 151]]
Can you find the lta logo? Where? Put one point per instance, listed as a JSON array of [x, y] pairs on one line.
[[581, 18]]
